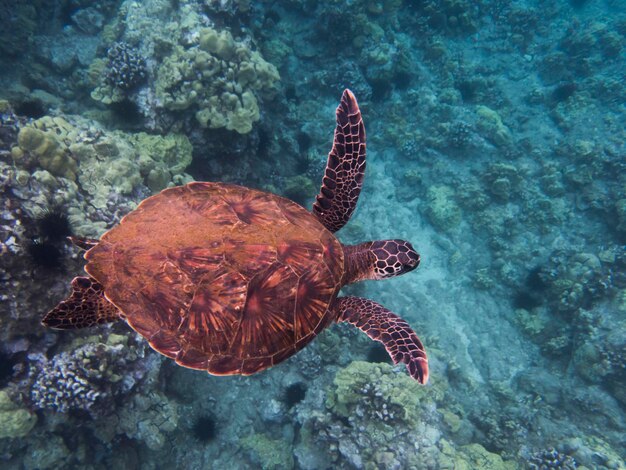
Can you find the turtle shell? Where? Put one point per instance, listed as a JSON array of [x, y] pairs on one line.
[[221, 277]]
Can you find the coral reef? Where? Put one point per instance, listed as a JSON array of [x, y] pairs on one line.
[[44, 143], [369, 392], [495, 143], [268, 453], [472, 456], [87, 378], [201, 70], [104, 164], [374, 416], [218, 80], [148, 419], [491, 125]]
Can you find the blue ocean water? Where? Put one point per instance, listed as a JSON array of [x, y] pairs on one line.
[[495, 145]]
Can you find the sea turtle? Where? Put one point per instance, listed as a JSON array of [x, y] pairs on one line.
[[233, 280]]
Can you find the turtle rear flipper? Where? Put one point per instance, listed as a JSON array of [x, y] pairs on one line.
[[393, 332], [86, 306], [83, 243], [345, 168]]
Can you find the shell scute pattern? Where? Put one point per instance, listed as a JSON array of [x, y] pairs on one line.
[[235, 280]]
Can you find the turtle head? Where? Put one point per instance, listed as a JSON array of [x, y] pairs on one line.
[[393, 257], [379, 260]]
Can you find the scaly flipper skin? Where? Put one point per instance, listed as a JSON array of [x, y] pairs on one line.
[[345, 169], [85, 307], [393, 332]]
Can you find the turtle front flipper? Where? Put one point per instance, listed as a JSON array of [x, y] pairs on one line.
[[86, 306], [345, 168], [384, 326]]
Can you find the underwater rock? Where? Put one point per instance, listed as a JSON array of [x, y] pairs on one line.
[[503, 180], [148, 419], [14, 421], [46, 452], [89, 20], [443, 211], [620, 208], [268, 453], [471, 456], [591, 452], [18, 25], [491, 125]]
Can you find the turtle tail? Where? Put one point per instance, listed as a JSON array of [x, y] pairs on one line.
[[86, 306]]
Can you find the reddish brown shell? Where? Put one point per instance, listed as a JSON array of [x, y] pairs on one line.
[[221, 277]]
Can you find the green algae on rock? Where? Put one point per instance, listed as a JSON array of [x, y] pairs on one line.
[[374, 390], [46, 140], [491, 125], [101, 162], [219, 80], [471, 456], [270, 454], [443, 211], [14, 421]]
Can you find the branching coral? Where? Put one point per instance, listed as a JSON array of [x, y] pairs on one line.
[[85, 379], [551, 458], [125, 67], [123, 70]]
